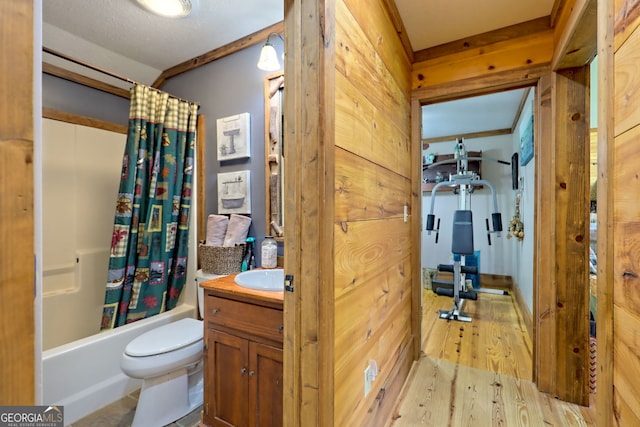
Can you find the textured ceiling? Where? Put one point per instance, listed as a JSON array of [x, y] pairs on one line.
[[433, 22]]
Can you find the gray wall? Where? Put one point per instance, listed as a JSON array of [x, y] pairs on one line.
[[225, 87], [229, 86], [70, 97]]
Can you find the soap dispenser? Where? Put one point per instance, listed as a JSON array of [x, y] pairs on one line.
[[249, 261]]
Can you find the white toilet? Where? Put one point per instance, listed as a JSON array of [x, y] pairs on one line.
[[169, 361]]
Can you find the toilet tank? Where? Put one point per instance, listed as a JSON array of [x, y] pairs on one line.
[[203, 277]]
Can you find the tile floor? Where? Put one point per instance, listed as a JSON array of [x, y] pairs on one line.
[[120, 414]]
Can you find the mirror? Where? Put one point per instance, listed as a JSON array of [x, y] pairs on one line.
[[274, 153]]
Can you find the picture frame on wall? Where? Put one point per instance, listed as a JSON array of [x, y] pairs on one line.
[[234, 192], [233, 137], [526, 143]]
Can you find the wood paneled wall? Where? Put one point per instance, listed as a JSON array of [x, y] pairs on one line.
[[347, 112], [625, 187], [372, 241]]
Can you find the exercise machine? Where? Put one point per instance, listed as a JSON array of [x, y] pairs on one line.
[[463, 183]]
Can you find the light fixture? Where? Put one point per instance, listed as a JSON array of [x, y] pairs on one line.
[[168, 8], [268, 57]]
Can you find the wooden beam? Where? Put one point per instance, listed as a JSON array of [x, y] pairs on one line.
[[470, 135], [481, 85], [484, 39], [576, 40], [62, 116], [71, 76], [17, 224], [228, 49], [528, 50]]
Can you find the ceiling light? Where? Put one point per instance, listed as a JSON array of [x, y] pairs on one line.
[[168, 8], [268, 56]]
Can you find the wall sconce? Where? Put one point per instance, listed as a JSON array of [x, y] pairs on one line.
[[268, 57]]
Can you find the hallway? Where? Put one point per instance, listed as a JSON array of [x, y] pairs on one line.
[[479, 373]]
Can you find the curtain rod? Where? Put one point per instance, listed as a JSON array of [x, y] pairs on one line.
[[102, 70]]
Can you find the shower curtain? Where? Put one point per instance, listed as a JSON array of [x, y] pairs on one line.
[[149, 244]]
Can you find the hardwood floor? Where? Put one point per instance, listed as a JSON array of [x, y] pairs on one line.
[[478, 373]]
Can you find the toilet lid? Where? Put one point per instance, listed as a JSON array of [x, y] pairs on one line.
[[166, 338]]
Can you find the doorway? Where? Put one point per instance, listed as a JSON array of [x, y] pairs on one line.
[[492, 127]]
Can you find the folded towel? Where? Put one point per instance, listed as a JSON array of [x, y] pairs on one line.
[[216, 229], [237, 230]]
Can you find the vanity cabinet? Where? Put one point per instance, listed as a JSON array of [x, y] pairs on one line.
[[242, 360]]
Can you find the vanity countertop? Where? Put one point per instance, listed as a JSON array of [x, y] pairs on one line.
[[226, 287]]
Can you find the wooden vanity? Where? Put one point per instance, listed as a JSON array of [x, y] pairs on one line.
[[242, 355]]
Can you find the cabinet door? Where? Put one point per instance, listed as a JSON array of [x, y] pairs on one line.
[[228, 358], [265, 385]]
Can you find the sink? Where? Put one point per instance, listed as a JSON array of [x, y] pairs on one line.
[[262, 280]]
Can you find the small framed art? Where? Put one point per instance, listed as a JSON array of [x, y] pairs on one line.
[[234, 140]]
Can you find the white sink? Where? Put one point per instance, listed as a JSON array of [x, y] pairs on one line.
[[262, 280]]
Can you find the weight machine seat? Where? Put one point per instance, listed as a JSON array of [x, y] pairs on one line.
[[462, 237]]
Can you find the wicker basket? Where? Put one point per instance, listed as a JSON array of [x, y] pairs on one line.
[[220, 259]]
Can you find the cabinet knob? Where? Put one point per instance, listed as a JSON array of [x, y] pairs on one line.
[[243, 371], [281, 328], [216, 310], [251, 373]]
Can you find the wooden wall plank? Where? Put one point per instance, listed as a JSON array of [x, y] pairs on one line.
[[624, 415], [626, 15], [364, 190], [364, 131], [17, 276], [627, 84], [366, 250], [393, 57], [625, 358], [359, 62]]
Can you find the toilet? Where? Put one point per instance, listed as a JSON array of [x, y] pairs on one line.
[[168, 360]]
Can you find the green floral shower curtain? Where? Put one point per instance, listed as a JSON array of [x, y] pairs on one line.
[[149, 245]]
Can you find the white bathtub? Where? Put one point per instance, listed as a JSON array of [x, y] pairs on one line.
[[85, 375]]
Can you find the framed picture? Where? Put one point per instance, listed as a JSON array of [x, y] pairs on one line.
[[526, 143], [234, 195], [234, 137]]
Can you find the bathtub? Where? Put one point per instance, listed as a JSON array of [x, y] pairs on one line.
[[85, 375]]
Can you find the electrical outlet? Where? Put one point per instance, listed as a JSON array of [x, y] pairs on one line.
[[367, 380]]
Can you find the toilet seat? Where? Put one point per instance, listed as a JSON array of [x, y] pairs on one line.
[[166, 338]]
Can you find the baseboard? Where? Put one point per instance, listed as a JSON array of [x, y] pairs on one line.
[[524, 310], [381, 410]]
